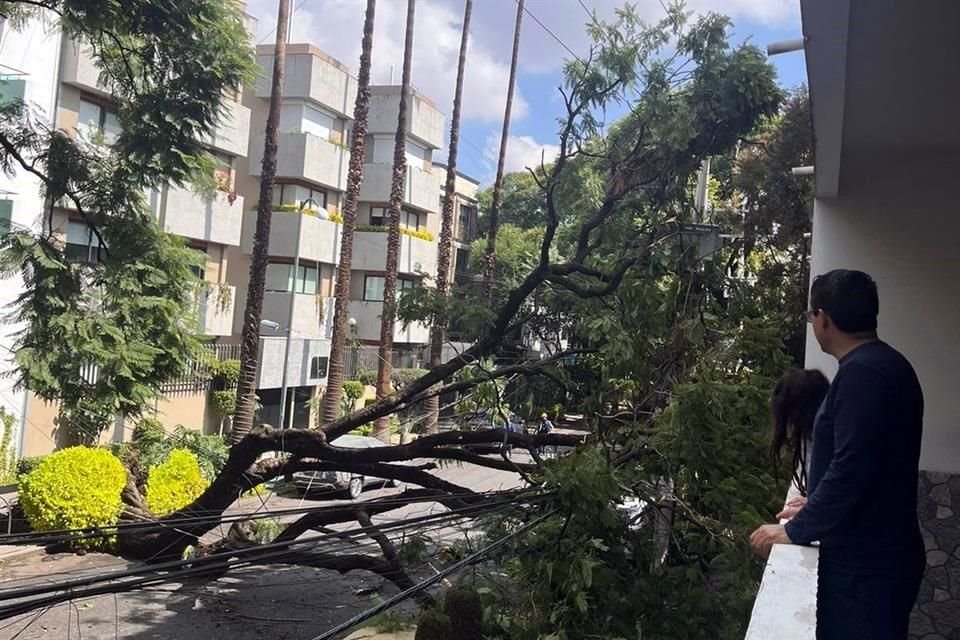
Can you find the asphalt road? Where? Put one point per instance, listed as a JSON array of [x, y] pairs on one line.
[[274, 601]]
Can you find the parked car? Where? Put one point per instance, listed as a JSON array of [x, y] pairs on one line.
[[340, 480]]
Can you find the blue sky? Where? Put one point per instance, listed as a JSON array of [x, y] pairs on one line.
[[330, 23]]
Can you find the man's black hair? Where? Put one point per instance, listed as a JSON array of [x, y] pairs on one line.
[[849, 298]]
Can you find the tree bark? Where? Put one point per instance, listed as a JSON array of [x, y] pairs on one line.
[[490, 258], [250, 341], [381, 428], [444, 251], [338, 341]]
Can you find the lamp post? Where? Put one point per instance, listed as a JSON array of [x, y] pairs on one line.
[[293, 302]]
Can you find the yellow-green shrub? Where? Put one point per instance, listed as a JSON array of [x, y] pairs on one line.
[[76, 488], [175, 483]]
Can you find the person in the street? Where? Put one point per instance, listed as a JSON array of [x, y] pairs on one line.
[[544, 426], [512, 426], [864, 467]]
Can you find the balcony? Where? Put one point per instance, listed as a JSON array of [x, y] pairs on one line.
[[232, 134], [304, 156], [786, 604], [310, 74], [319, 238], [77, 68], [208, 219], [367, 315], [216, 309], [416, 255], [422, 189], [303, 351], [312, 314], [425, 122]]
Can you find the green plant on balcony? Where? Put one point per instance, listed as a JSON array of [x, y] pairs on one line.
[[336, 217]]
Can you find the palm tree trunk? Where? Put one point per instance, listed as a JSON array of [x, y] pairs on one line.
[[444, 251], [381, 428], [250, 341], [490, 258], [338, 341]]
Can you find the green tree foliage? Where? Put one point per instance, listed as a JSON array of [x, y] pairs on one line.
[[75, 488], [352, 391], [174, 483], [101, 338], [523, 203], [518, 250]]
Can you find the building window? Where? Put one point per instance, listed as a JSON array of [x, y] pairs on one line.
[[6, 216], [318, 367], [94, 118], [280, 278], [373, 287], [296, 195], [465, 223], [82, 243], [380, 217]]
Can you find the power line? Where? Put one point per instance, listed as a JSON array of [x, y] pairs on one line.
[[552, 34]]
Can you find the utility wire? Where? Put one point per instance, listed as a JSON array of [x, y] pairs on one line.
[[552, 34], [422, 586]]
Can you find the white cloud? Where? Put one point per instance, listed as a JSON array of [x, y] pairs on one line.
[[336, 26], [522, 152]]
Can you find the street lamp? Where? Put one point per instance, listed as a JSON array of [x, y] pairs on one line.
[[293, 302]]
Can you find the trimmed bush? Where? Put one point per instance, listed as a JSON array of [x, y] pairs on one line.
[[76, 488], [175, 483]]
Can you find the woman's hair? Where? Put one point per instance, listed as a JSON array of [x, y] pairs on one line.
[[796, 400]]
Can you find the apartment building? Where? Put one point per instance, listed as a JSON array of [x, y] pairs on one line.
[[66, 78], [313, 157], [28, 64], [465, 208]]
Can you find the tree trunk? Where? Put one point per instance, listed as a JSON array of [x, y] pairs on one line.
[[490, 258], [432, 406], [338, 341], [247, 384], [381, 429]]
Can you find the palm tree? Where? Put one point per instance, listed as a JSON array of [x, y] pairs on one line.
[[338, 341], [498, 183], [381, 428], [432, 405], [250, 341]]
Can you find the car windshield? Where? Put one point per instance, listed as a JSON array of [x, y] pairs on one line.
[[355, 442]]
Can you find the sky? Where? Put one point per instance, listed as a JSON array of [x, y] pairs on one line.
[[335, 26]]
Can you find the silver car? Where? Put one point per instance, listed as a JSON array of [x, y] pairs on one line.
[[341, 480]]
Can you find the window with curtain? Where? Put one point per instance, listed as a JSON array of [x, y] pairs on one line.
[[295, 194], [280, 278], [94, 118]]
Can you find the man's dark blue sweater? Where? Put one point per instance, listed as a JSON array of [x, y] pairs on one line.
[[862, 503]]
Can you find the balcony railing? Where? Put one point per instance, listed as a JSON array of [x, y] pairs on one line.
[[216, 309], [416, 255], [367, 314], [304, 156], [422, 189], [319, 239], [216, 218], [786, 604]]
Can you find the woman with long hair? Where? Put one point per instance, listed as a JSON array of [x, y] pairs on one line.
[[796, 400]]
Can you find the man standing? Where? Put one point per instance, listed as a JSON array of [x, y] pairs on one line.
[[862, 504]]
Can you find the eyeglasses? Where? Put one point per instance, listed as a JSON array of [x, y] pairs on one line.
[[810, 314]]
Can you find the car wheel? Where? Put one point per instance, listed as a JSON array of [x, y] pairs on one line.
[[355, 488]]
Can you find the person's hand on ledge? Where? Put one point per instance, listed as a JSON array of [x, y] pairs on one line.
[[763, 539], [792, 508]]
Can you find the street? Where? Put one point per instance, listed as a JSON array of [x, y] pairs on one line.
[[272, 601]]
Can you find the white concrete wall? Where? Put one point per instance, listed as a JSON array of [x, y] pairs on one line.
[[422, 189], [305, 156], [319, 239], [302, 351], [79, 70], [232, 134], [367, 315], [897, 219], [425, 122], [370, 253], [33, 52], [309, 312], [216, 317], [310, 76], [190, 215]]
